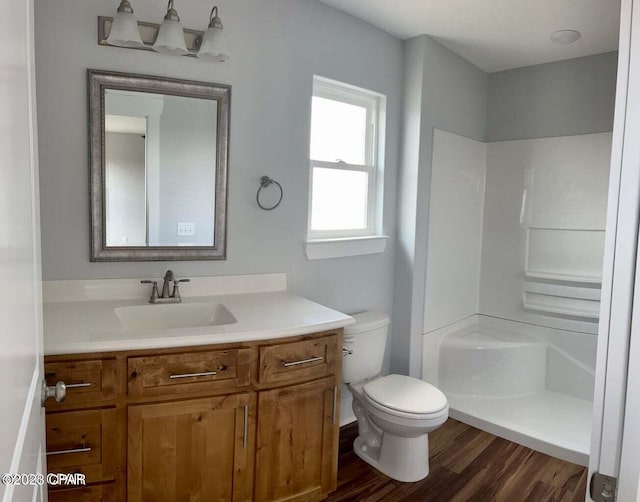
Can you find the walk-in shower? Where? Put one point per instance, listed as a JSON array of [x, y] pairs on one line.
[[516, 237]]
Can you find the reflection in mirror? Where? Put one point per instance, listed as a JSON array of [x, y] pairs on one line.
[[125, 178], [159, 165], [160, 157]]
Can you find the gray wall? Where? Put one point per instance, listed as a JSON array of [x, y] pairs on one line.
[[275, 47], [563, 98], [442, 90]]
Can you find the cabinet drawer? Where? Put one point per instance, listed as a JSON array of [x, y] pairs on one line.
[[189, 372], [95, 493], [293, 362], [82, 442], [88, 382]]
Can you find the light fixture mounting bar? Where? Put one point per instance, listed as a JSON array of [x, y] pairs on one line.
[[148, 33]]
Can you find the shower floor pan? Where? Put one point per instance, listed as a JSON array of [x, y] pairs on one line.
[[550, 422], [497, 381]]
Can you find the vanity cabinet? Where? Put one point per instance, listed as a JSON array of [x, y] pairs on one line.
[[230, 422], [297, 428], [197, 449], [297, 432]]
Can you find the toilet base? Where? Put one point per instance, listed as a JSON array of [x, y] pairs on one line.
[[401, 458]]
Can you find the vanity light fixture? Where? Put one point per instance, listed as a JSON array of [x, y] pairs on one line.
[[171, 34], [167, 38], [124, 30], [214, 46]]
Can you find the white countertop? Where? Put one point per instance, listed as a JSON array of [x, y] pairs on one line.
[[92, 326]]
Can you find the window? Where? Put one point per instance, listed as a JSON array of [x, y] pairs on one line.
[[346, 128]]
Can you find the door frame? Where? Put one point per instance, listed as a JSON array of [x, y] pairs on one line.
[[620, 258], [629, 467]]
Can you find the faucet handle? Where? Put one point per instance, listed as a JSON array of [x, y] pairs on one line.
[[154, 290], [176, 291]]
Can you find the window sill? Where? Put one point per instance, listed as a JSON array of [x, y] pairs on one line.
[[320, 249]]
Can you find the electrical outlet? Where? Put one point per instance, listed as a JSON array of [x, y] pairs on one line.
[[186, 229]]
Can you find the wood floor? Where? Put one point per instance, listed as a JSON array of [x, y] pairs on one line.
[[466, 465]]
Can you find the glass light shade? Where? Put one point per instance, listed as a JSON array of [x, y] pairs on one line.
[[214, 45], [170, 39], [124, 31]]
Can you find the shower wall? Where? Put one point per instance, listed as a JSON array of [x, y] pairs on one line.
[[455, 229], [516, 230], [543, 236]]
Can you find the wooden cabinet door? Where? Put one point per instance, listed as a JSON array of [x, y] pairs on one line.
[[297, 442], [194, 450]]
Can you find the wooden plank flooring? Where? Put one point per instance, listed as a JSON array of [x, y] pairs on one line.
[[466, 464]]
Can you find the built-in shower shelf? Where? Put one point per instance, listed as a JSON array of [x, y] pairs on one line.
[[547, 276], [584, 313], [557, 291], [563, 298]]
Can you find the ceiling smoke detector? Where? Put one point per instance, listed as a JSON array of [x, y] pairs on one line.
[[564, 37]]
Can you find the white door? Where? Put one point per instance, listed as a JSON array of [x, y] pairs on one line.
[[21, 361], [621, 277]]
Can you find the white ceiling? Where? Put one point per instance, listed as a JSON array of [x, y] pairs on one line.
[[497, 34]]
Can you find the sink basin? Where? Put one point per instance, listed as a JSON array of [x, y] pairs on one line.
[[174, 316]]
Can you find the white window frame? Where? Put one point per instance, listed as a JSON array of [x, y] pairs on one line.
[[375, 106]]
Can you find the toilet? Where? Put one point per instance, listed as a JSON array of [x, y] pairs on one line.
[[395, 413]]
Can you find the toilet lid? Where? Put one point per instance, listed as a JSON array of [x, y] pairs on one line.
[[406, 394]]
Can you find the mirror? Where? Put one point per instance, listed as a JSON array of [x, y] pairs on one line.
[[158, 167]]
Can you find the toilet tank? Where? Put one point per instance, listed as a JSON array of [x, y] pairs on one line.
[[367, 340]]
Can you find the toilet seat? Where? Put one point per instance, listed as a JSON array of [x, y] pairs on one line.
[[405, 397]]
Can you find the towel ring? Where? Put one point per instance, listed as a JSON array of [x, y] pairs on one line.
[[265, 181]]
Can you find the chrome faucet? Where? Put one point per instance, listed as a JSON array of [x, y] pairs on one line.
[[168, 279], [165, 297]]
